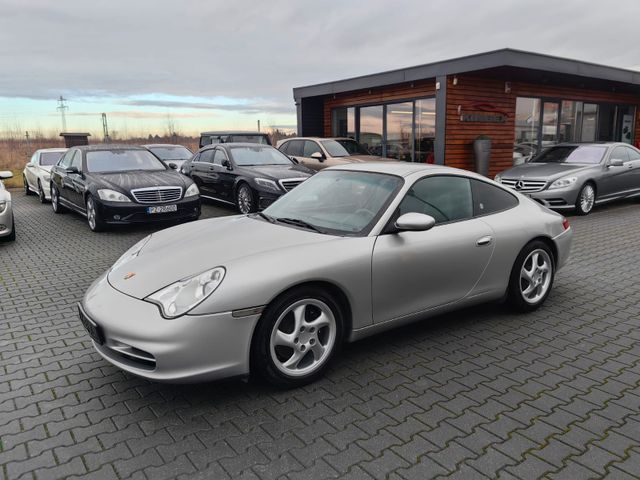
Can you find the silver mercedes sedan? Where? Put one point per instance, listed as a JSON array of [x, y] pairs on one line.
[[353, 251], [578, 176]]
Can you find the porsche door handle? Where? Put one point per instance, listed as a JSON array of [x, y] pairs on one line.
[[482, 241]]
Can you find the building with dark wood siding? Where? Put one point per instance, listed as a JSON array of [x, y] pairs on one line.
[[432, 113]]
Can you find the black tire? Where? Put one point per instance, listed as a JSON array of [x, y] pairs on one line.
[[12, 236], [262, 361], [41, 196], [55, 200], [515, 295], [246, 204], [584, 208], [27, 190], [94, 219]]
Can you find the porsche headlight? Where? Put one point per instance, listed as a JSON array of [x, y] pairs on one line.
[[192, 191], [132, 253], [184, 295], [563, 182], [3, 206], [267, 184], [112, 196]]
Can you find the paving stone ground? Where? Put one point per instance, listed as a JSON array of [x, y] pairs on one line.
[[483, 392]]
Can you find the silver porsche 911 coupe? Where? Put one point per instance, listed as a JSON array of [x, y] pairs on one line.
[[353, 251]]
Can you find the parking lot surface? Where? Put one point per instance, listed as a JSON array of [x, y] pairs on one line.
[[482, 392]]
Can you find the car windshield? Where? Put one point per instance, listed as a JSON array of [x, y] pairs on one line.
[[353, 147], [108, 161], [171, 153], [48, 159], [338, 201], [590, 154], [247, 156]]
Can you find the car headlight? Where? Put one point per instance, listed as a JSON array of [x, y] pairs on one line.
[[132, 253], [3, 206], [563, 182], [112, 196], [184, 295], [192, 191], [267, 184], [498, 178]]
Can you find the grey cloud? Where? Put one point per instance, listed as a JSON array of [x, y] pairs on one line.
[[245, 108]]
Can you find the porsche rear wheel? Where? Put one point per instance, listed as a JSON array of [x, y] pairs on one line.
[[531, 277], [297, 337]]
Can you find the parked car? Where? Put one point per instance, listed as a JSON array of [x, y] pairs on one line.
[[353, 251], [213, 138], [118, 184], [318, 153], [577, 175], [246, 175], [37, 173], [7, 223], [172, 155]]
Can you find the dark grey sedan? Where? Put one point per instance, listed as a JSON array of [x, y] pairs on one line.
[[578, 176]]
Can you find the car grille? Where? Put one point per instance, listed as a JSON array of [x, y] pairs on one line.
[[525, 186], [157, 194], [291, 183]]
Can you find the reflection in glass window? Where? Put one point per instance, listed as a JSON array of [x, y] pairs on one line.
[[425, 133], [371, 129], [550, 111], [570, 119], [343, 122], [527, 122], [589, 122], [399, 127]]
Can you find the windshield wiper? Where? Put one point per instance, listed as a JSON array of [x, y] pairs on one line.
[[299, 223], [266, 217]]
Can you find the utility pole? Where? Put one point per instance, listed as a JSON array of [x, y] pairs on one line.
[[28, 142], [62, 108], [105, 128], [258, 125]]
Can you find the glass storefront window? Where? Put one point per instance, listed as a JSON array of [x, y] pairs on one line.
[[570, 121], [371, 129], [624, 124], [550, 112], [527, 122], [425, 130], [343, 122], [589, 122], [399, 130]]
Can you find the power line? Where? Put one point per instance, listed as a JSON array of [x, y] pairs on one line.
[[62, 108]]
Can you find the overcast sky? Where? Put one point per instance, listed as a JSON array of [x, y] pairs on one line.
[[226, 64]]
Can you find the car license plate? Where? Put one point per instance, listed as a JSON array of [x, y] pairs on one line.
[[92, 328], [162, 209]]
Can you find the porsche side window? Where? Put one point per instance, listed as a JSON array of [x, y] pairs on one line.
[[489, 199], [445, 198]]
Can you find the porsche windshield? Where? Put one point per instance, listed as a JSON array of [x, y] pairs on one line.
[[337, 201]]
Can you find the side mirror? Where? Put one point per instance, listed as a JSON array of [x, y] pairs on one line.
[[616, 162], [70, 170], [4, 174], [173, 166], [294, 160], [317, 156], [227, 164], [415, 222]]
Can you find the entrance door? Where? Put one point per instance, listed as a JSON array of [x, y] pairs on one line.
[[550, 123]]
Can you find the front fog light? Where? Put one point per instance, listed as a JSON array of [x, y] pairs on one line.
[[184, 295]]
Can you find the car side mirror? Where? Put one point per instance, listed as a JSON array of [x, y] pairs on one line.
[[294, 160], [317, 156], [616, 162], [173, 166], [415, 222], [227, 164], [70, 170], [4, 174]]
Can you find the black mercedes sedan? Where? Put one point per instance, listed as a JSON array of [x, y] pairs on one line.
[[118, 184], [247, 175]]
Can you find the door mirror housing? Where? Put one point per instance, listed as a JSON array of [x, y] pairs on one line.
[[227, 164], [4, 174], [317, 156], [616, 162], [173, 166], [415, 222], [70, 170], [294, 160]]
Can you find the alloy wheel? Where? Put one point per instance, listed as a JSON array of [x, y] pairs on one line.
[[535, 276], [40, 192], [244, 199], [91, 213], [303, 337], [587, 198], [54, 199]]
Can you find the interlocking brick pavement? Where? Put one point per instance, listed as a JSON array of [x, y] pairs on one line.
[[482, 392]]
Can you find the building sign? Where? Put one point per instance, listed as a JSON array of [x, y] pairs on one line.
[[483, 113]]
